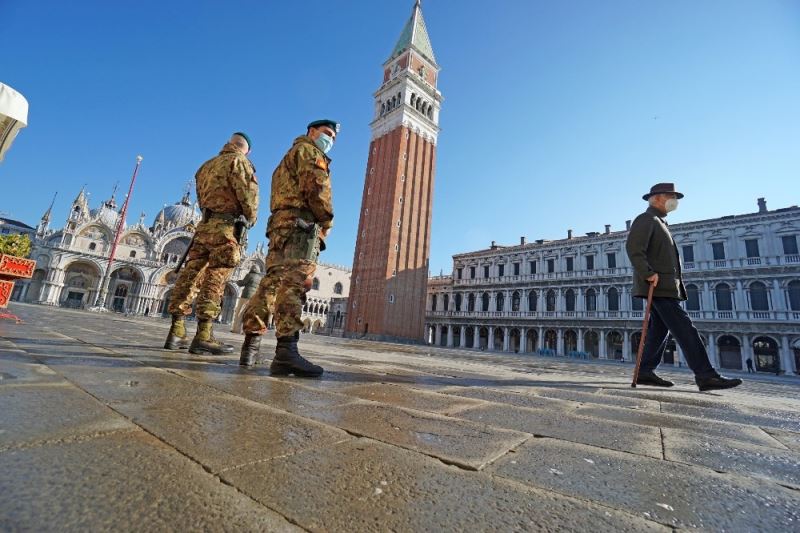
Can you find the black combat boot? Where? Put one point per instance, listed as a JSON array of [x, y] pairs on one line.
[[177, 338], [204, 341], [250, 346], [289, 361]]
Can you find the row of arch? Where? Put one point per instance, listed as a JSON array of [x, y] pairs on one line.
[[765, 349], [723, 296], [417, 102]]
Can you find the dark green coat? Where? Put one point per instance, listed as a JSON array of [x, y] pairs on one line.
[[651, 250], [250, 283]]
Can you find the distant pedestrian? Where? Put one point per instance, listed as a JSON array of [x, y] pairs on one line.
[[655, 260], [749, 365]]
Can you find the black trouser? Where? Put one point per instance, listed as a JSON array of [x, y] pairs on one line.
[[667, 316]]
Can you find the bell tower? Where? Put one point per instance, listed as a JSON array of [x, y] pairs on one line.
[[390, 267]]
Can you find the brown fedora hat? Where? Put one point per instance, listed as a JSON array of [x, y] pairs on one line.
[[661, 188]]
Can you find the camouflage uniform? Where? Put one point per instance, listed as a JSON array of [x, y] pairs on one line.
[[226, 188], [301, 188]]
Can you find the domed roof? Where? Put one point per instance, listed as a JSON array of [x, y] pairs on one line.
[[178, 214], [106, 213]]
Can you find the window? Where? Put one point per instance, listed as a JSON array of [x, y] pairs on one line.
[[789, 244], [338, 288], [570, 264], [612, 260], [446, 302], [718, 249], [532, 301], [315, 284], [589, 262], [688, 254], [613, 298], [692, 298], [391, 298], [501, 269], [433, 302], [515, 301], [472, 272], [551, 266], [458, 302], [92, 245], [569, 299], [485, 271], [459, 272], [794, 295], [751, 247], [471, 303], [637, 304], [724, 300], [591, 300], [532, 266], [132, 254], [500, 301], [516, 269], [759, 301], [550, 300], [485, 301]]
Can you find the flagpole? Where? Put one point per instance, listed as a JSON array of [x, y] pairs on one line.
[[101, 297]]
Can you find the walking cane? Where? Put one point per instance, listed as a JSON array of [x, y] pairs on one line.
[[644, 334]]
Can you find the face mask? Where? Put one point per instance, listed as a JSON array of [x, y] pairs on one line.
[[324, 142], [671, 205]]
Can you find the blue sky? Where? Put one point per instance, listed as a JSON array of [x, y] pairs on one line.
[[557, 114]]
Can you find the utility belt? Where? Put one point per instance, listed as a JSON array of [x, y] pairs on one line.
[[208, 214]]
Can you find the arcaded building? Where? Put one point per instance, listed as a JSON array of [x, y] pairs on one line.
[[572, 296]]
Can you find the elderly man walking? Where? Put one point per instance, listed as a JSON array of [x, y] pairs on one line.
[[655, 261]]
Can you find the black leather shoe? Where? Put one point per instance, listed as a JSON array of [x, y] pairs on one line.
[[650, 378], [717, 383], [250, 347], [288, 360]]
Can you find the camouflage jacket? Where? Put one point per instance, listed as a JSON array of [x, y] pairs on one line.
[[227, 184], [301, 187]]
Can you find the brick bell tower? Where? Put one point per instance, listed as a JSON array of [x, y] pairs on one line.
[[390, 267]]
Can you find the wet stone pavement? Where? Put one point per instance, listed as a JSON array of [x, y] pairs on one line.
[[102, 430]]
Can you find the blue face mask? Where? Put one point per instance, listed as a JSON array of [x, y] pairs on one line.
[[324, 142]]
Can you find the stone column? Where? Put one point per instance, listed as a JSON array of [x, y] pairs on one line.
[[747, 352], [707, 303], [523, 340], [560, 340], [580, 303], [506, 339], [713, 356], [679, 359], [601, 339], [740, 299], [476, 338], [462, 339], [492, 301], [541, 306], [579, 332], [491, 339], [786, 356], [778, 299], [626, 346], [437, 339], [449, 335], [540, 340], [523, 302]]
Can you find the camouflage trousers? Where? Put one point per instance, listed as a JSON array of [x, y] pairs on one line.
[[209, 264], [282, 291]]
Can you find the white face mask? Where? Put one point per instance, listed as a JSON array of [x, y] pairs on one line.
[[671, 205]]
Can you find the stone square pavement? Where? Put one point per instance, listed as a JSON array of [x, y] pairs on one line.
[[101, 430]]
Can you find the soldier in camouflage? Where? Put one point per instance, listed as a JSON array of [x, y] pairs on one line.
[[302, 216], [226, 188], [249, 286]]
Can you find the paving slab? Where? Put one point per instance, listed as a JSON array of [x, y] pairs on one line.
[[37, 413], [367, 486], [726, 430], [772, 418], [788, 438], [460, 442], [517, 399], [224, 431], [121, 482], [723, 455], [581, 396], [683, 397], [570, 427], [671, 493], [17, 368], [404, 396]]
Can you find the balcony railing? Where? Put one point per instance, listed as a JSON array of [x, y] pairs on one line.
[[711, 315]]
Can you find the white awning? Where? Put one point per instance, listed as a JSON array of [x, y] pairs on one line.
[[13, 116]]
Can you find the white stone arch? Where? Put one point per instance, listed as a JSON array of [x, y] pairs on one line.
[[149, 241], [83, 230], [168, 238]]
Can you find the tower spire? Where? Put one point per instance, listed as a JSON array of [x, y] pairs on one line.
[[415, 35]]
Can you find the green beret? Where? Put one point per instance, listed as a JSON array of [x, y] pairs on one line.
[[325, 122], [246, 138]]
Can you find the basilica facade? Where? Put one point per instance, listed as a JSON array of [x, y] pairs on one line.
[[572, 297], [71, 262]]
